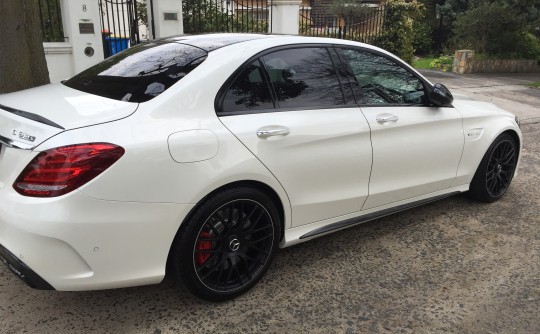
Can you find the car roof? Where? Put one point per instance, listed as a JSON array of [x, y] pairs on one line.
[[211, 42]]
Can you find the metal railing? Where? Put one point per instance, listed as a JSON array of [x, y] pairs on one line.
[[364, 27], [201, 16], [50, 16]]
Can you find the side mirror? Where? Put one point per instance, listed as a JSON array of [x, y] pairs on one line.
[[440, 96]]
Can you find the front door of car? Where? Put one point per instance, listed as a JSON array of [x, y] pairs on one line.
[[416, 147], [288, 108]]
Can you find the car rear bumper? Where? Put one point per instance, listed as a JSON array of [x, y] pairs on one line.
[[75, 242], [22, 271]]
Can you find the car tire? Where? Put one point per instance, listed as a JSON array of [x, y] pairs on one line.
[[496, 170], [227, 244]]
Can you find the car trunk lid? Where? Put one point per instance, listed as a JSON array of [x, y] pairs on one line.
[[29, 117]]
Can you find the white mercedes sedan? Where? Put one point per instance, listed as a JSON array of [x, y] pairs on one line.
[[205, 154]]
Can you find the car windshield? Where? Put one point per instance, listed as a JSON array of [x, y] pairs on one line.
[[140, 73]]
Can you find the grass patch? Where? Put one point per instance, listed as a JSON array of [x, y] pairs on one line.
[[534, 84], [442, 63], [424, 63]]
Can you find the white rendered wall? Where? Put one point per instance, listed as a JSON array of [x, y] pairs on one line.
[[67, 59], [164, 27], [59, 58], [285, 16]]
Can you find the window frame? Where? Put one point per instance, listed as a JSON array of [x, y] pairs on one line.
[[220, 96], [427, 86]]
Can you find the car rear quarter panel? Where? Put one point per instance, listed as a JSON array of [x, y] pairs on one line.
[[147, 172]]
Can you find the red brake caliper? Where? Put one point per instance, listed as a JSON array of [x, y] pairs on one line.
[[201, 246]]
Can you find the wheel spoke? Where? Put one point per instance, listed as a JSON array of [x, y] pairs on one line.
[[248, 218], [259, 250], [261, 229], [259, 240], [246, 265], [213, 228], [206, 251], [229, 274], [247, 257], [205, 264], [256, 223], [238, 274], [230, 219]]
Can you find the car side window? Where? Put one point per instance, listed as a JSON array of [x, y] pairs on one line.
[[303, 77], [379, 80], [249, 91]]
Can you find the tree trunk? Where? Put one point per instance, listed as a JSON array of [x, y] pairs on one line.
[[22, 59]]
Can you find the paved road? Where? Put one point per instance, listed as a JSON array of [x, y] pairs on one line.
[[451, 266]]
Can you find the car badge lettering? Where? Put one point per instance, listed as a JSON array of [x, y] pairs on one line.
[[24, 136]]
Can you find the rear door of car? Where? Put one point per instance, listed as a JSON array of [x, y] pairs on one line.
[[288, 107], [416, 146]]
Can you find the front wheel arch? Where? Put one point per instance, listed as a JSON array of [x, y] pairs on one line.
[[486, 188]]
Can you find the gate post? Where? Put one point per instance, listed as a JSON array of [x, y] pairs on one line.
[[285, 17], [165, 17], [82, 27]]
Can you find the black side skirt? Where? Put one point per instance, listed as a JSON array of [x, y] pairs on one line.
[[372, 216]]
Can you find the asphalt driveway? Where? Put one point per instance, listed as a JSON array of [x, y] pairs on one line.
[[452, 266]]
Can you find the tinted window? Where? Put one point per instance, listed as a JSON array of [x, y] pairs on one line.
[[379, 80], [303, 78], [140, 73], [249, 91]]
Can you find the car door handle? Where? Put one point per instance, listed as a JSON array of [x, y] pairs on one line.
[[272, 130], [386, 118]]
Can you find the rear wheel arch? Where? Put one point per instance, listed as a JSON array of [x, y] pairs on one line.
[[243, 183], [217, 219]]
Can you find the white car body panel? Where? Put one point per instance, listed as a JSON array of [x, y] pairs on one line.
[[117, 229], [79, 243], [416, 155], [324, 165]]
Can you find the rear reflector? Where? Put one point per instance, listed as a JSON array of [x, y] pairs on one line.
[[63, 169]]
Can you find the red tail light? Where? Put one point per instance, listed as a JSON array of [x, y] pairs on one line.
[[63, 169]]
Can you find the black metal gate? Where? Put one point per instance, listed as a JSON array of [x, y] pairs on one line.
[[119, 25]]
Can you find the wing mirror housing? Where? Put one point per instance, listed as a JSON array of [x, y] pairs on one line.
[[440, 96]]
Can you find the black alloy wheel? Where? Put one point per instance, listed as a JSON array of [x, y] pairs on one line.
[[233, 245], [500, 168], [496, 170], [227, 245]]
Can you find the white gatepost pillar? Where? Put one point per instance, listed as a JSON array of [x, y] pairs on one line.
[[83, 29], [285, 16], [165, 16]]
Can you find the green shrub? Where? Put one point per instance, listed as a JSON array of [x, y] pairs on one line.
[[495, 29], [422, 40], [397, 30], [443, 63], [529, 46]]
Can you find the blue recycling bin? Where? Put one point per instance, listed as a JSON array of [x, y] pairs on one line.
[[117, 44]]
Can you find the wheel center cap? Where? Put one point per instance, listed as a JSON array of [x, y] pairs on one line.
[[234, 245], [499, 168]]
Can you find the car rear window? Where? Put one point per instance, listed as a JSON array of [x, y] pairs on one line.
[[140, 73]]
